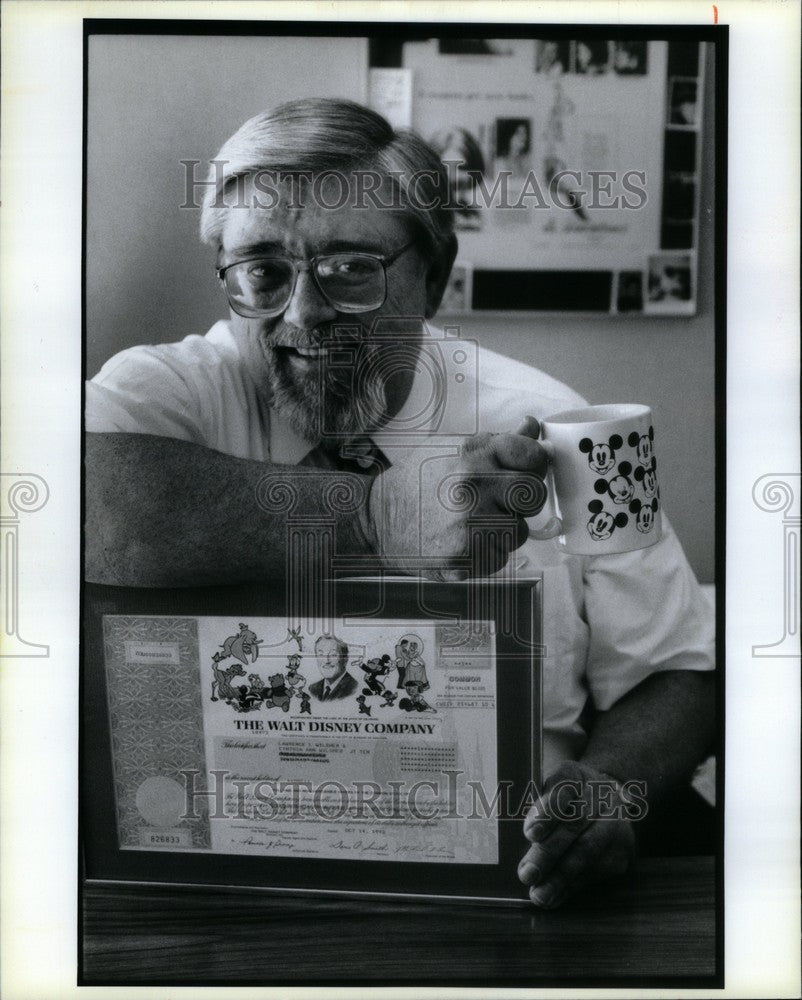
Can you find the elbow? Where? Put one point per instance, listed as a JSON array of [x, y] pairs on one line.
[[111, 555], [116, 558], [119, 544]]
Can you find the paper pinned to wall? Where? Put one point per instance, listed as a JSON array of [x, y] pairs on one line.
[[391, 95]]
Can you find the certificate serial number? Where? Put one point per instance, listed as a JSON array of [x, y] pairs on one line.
[[149, 837]]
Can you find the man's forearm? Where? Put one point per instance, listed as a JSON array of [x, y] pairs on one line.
[[161, 512], [657, 733]]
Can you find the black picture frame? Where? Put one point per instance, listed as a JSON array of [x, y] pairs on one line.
[[514, 607]]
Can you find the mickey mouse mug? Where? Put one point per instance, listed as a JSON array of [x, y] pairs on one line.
[[603, 479]]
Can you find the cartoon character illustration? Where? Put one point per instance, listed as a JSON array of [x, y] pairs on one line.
[[251, 697], [408, 653], [378, 666], [416, 668], [294, 634], [643, 445], [241, 704], [620, 488], [276, 695], [306, 706], [389, 698], [649, 479], [222, 688], [602, 524], [363, 707], [401, 657], [644, 514], [296, 680], [601, 457], [415, 701], [243, 646]]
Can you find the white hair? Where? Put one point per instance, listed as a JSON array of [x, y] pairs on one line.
[[342, 647], [319, 135]]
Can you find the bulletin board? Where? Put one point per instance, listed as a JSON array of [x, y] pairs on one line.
[[574, 165]]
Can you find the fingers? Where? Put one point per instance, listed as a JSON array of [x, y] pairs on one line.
[[564, 802], [573, 842], [518, 493], [537, 865], [461, 514], [530, 427], [485, 548], [446, 575], [519, 452], [602, 850]]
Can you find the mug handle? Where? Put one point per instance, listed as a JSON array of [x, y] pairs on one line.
[[551, 529], [554, 525]]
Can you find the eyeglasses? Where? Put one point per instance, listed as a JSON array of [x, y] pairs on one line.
[[351, 282]]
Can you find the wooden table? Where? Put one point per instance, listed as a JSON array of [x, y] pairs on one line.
[[655, 927]]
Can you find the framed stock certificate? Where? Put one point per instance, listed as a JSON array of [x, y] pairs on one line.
[[391, 746]]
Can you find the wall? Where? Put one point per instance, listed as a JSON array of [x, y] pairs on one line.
[[155, 100]]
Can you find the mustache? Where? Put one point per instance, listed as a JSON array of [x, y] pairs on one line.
[[357, 383], [336, 335]]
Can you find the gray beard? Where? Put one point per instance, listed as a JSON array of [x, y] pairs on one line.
[[337, 403]]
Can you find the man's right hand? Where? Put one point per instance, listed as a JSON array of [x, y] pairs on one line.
[[447, 518]]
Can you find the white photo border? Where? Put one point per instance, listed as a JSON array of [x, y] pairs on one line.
[[41, 234]]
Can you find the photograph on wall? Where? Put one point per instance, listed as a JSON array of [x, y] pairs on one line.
[[564, 153], [513, 146], [591, 57], [461, 152], [552, 56], [684, 106], [669, 284], [630, 58]]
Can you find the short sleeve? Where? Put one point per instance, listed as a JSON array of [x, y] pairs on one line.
[[143, 391], [646, 613]]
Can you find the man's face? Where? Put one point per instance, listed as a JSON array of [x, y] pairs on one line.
[[330, 660], [308, 383]]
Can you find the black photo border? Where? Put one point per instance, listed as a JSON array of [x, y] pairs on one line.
[[715, 35], [519, 715]]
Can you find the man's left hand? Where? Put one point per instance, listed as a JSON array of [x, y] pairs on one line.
[[580, 833]]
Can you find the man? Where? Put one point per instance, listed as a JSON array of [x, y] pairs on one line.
[[332, 659], [196, 451]]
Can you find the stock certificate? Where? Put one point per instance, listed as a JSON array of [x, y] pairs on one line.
[[358, 739]]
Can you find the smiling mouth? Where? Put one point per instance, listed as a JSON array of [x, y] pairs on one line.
[[303, 353], [340, 351], [310, 352]]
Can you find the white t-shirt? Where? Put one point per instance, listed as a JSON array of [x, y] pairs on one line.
[[608, 621]]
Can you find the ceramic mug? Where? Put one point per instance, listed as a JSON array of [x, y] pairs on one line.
[[602, 479]]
